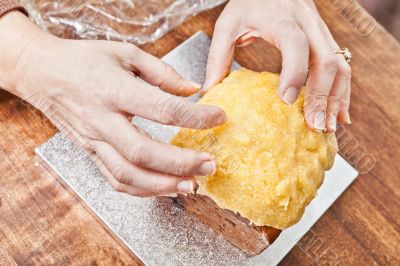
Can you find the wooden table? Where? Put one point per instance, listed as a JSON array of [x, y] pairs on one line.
[[41, 222]]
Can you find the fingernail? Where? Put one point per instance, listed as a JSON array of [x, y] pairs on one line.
[[319, 121], [221, 119], [207, 168], [347, 118], [185, 186], [290, 95], [194, 84], [171, 195], [332, 124]]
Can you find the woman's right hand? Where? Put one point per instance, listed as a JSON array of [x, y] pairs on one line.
[[309, 55], [93, 85]]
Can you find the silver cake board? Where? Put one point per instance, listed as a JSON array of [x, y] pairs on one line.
[[157, 230]]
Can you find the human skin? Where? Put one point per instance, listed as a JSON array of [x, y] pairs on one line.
[[94, 85], [308, 53]]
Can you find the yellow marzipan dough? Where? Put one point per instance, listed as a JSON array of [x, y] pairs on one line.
[[269, 164]]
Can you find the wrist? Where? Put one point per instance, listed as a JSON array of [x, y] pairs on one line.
[[18, 34]]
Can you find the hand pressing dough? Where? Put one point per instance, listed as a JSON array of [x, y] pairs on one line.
[[269, 164]]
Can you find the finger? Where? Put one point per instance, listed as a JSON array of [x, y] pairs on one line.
[[151, 154], [338, 96], [324, 65], [117, 186], [345, 74], [155, 71], [137, 97], [294, 47], [221, 52], [160, 74], [344, 115], [318, 86], [126, 173]]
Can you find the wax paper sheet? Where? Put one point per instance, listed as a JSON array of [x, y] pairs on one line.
[[135, 21]]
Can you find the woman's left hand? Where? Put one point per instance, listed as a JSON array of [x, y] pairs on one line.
[[308, 52]]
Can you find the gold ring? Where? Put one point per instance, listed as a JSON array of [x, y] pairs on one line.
[[346, 53]]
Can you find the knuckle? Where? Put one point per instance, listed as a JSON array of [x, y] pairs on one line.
[[89, 126], [330, 63], [140, 155], [168, 112], [334, 99], [316, 97], [344, 101], [112, 94], [118, 171], [179, 166], [299, 37], [316, 101], [89, 116], [345, 69], [291, 33], [158, 109], [167, 71], [166, 116]]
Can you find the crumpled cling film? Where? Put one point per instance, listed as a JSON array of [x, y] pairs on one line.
[[135, 21]]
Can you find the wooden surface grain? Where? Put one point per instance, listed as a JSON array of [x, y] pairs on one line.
[[41, 222]]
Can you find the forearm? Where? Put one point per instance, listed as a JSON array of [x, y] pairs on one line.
[[17, 33]]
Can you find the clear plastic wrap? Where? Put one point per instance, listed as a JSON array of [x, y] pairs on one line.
[[135, 21]]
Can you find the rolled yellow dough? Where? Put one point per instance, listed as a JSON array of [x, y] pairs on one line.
[[269, 164]]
